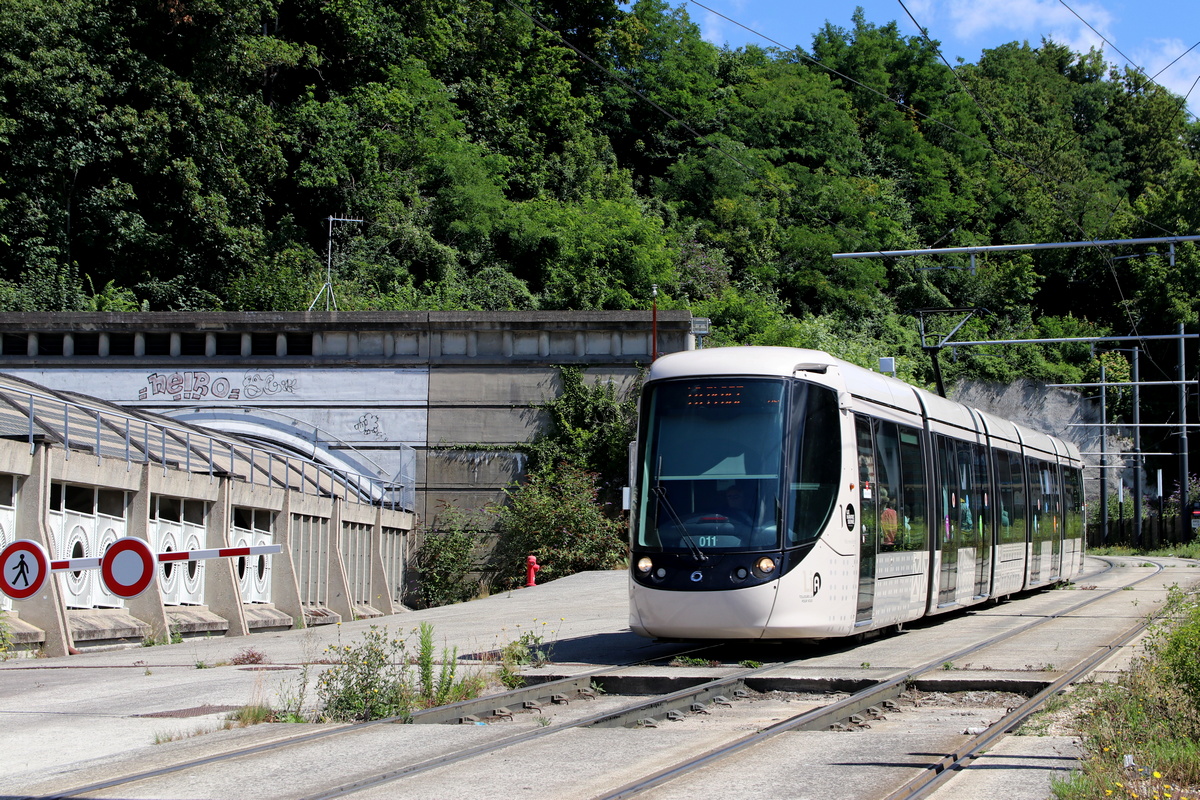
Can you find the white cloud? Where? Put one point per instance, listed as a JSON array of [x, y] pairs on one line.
[[1031, 20], [1155, 56], [712, 28]]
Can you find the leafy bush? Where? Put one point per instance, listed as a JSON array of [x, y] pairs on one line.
[[446, 559], [591, 427], [556, 517]]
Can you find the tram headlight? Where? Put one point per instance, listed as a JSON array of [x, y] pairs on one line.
[[765, 565], [644, 565]]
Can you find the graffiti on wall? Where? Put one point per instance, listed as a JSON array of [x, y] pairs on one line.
[[263, 383], [201, 385], [368, 425]]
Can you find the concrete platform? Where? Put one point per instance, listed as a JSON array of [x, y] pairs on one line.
[[58, 714]]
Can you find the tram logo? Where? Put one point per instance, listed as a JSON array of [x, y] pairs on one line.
[[816, 583], [697, 576]]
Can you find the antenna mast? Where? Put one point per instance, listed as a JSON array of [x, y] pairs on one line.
[[327, 289]]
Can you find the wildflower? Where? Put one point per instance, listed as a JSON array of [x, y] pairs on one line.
[[1157, 774]]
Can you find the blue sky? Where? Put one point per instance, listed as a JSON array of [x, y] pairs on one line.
[[1150, 33]]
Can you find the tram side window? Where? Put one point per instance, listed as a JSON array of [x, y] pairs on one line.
[[1012, 497], [892, 476], [887, 460], [983, 493], [816, 433], [914, 531], [969, 505], [1041, 498], [947, 491], [868, 493], [1074, 504]]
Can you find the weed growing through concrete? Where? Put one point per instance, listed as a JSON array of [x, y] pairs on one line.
[[249, 655], [1142, 733], [534, 647], [371, 678], [5, 636], [690, 661]]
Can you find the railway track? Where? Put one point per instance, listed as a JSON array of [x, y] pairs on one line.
[[385, 758]]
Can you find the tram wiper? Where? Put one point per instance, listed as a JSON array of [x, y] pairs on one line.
[[693, 548]]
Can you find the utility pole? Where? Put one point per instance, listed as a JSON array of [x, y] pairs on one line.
[[1103, 455]]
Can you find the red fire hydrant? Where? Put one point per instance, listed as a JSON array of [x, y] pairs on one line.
[[531, 568]]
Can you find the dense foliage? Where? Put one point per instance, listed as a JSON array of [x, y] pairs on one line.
[[190, 154], [180, 154]]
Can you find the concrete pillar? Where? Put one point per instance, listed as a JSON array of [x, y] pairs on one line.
[[381, 593], [147, 606], [222, 594], [340, 601], [247, 345], [105, 345], [45, 609], [139, 344], [210, 345], [176, 345], [281, 344], [31, 345], [285, 586], [68, 344]]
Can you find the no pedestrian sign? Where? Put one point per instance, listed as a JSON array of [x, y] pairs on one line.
[[23, 569]]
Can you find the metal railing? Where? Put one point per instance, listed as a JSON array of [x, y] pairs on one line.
[[104, 431]]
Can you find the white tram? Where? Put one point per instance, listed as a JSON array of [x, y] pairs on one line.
[[783, 493]]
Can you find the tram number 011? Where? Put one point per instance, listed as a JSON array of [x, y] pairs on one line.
[[706, 541]]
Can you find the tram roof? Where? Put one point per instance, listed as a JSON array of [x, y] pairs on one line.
[[786, 361]]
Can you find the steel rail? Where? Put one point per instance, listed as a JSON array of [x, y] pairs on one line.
[[459, 711], [815, 719], [954, 763], [820, 719]]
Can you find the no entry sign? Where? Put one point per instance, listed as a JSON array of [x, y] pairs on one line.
[[127, 567], [23, 569]]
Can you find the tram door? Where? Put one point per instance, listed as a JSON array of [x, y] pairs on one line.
[[981, 534], [949, 532], [1057, 507], [869, 512]]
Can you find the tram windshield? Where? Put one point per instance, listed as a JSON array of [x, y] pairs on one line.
[[713, 460]]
